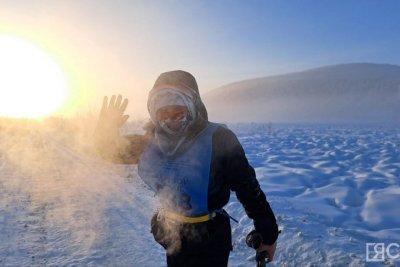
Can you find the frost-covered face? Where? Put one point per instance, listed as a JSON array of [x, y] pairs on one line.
[[174, 119], [172, 110]]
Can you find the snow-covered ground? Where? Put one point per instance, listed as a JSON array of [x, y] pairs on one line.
[[333, 189]]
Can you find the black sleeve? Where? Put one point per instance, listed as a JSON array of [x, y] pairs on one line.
[[243, 181], [120, 149]]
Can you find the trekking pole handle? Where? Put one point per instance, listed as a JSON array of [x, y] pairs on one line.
[[254, 240], [262, 258]]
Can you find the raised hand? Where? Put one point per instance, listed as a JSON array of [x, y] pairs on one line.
[[112, 113]]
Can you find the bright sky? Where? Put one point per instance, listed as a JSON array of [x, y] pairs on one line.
[[107, 47]]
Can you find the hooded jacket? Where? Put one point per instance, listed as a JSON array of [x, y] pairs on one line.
[[229, 167]]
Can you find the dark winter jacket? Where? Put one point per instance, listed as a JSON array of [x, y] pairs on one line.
[[229, 168]]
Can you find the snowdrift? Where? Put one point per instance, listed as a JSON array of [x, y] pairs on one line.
[[333, 190]]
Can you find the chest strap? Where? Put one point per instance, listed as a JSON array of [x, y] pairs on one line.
[[184, 219]]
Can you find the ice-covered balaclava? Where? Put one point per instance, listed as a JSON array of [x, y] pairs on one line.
[[175, 88], [169, 97]]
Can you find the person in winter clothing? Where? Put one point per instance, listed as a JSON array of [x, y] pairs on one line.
[[192, 165]]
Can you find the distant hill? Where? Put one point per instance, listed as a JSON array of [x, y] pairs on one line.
[[357, 92]]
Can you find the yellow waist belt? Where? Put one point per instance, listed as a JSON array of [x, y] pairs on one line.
[[184, 219]]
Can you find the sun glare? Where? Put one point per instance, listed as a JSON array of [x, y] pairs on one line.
[[32, 85]]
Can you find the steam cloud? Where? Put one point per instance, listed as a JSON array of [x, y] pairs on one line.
[[53, 180]]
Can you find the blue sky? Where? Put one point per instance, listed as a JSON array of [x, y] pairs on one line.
[[257, 38], [124, 45]]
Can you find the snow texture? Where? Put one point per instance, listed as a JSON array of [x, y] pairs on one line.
[[332, 188]]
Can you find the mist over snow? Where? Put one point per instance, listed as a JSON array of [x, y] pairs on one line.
[[347, 93], [332, 188]]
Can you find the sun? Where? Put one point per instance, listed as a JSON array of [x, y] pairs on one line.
[[32, 85]]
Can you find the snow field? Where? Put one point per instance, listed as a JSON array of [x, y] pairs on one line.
[[332, 188]]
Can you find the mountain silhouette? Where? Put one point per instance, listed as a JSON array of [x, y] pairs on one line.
[[346, 93]]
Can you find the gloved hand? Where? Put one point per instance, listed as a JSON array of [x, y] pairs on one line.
[[106, 136], [264, 253], [268, 250], [112, 114]]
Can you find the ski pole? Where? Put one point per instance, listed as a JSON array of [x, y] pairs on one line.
[[261, 258], [254, 240]]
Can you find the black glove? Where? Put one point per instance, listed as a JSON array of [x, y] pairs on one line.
[[254, 240], [112, 114], [107, 140]]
